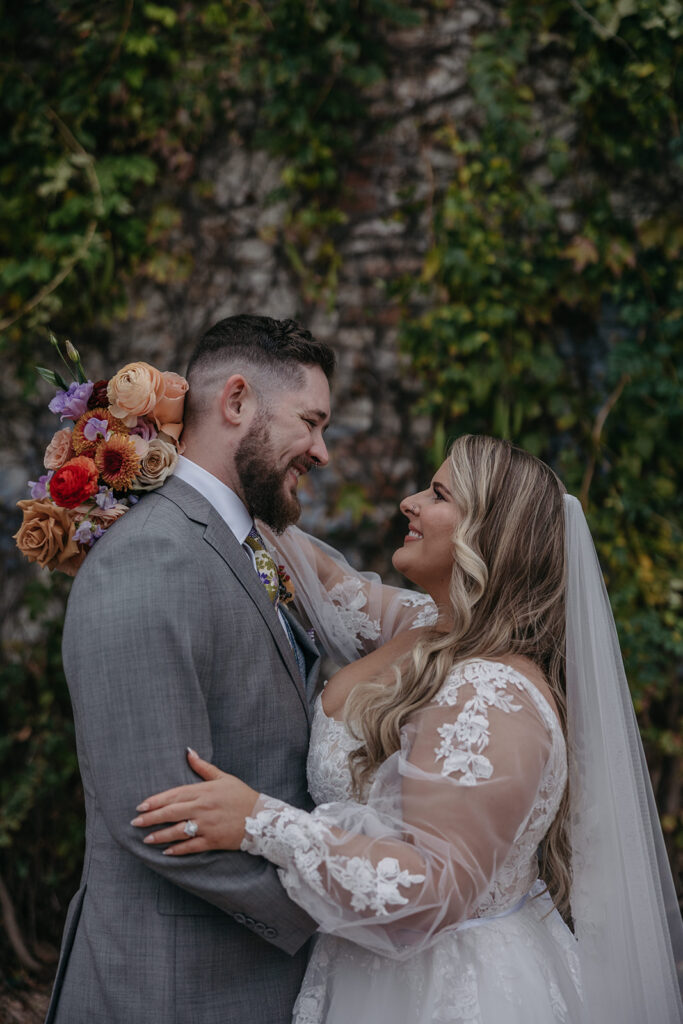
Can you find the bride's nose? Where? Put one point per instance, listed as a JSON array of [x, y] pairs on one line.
[[409, 506]]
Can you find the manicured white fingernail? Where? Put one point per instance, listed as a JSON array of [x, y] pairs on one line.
[[166, 853], [149, 839], [191, 751], [136, 821], [142, 807]]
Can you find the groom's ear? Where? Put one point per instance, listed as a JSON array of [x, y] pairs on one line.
[[237, 400]]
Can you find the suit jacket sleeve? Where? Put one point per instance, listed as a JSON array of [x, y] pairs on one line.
[[134, 639]]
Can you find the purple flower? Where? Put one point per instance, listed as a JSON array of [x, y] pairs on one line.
[[105, 498], [97, 532], [39, 487], [83, 535], [72, 403], [133, 499], [95, 428], [144, 429]]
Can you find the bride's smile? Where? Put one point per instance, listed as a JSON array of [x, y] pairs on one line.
[[426, 556]]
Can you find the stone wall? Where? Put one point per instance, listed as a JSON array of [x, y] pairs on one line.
[[227, 253]]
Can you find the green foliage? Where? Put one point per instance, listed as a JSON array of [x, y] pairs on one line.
[[550, 307], [98, 105], [41, 807]]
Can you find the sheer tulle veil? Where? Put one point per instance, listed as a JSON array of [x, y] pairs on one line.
[[623, 900]]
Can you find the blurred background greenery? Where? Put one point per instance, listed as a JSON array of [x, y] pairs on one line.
[[546, 306]]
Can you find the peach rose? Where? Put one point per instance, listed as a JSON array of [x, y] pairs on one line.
[[134, 391], [156, 465], [169, 409], [59, 450], [46, 537]]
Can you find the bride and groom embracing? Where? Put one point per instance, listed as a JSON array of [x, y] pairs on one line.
[[457, 828]]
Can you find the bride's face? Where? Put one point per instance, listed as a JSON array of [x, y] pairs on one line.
[[426, 557]]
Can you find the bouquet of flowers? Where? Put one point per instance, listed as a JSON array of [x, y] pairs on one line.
[[122, 439]]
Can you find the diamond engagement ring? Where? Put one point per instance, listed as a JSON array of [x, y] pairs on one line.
[[191, 828]]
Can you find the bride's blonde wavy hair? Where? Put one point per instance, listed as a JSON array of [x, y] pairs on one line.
[[507, 596]]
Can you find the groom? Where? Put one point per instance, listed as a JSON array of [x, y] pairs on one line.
[[171, 639]]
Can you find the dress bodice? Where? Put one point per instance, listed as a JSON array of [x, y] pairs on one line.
[[329, 777]]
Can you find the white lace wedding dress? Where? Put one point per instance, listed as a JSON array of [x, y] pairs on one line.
[[426, 890], [427, 893]]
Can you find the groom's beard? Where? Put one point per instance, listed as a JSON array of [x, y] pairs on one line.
[[263, 484]]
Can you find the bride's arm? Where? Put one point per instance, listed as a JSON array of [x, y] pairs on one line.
[[352, 612], [440, 821]]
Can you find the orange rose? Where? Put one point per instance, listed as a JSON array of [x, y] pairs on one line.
[[169, 409], [46, 537], [59, 450], [134, 391]]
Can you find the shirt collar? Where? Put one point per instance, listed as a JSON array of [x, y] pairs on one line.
[[229, 506]]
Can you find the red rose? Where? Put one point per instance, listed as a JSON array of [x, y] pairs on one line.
[[74, 483], [98, 397]]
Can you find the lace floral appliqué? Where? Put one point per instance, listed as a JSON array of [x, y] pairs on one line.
[[428, 613], [463, 741], [349, 599], [286, 835]]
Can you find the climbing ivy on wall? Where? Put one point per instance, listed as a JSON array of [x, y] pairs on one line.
[[105, 106], [550, 306]]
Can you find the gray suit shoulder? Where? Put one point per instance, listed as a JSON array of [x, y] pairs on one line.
[[153, 534]]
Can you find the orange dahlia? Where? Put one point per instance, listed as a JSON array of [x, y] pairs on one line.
[[84, 445], [117, 461]]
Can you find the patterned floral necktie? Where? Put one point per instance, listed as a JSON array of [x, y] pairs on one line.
[[273, 577], [279, 588]]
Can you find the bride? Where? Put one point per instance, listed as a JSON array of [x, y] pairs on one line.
[[485, 846]]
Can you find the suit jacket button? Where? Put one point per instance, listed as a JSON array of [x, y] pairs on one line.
[[240, 918], [270, 933], [249, 921], [260, 928]]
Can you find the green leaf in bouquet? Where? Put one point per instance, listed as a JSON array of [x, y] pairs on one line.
[[52, 378]]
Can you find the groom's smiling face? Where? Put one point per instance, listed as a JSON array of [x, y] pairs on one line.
[[284, 441]]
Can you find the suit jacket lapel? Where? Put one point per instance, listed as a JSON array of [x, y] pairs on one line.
[[221, 538]]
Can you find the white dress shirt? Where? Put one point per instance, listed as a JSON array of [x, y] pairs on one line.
[[230, 508]]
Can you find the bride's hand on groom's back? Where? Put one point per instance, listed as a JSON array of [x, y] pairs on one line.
[[217, 807]]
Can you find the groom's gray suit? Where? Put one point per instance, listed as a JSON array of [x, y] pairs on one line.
[[171, 640]]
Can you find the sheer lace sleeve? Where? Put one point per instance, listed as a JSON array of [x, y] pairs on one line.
[[440, 837], [352, 612]]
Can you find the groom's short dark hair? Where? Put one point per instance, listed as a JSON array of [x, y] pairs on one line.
[[269, 352], [263, 341]]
